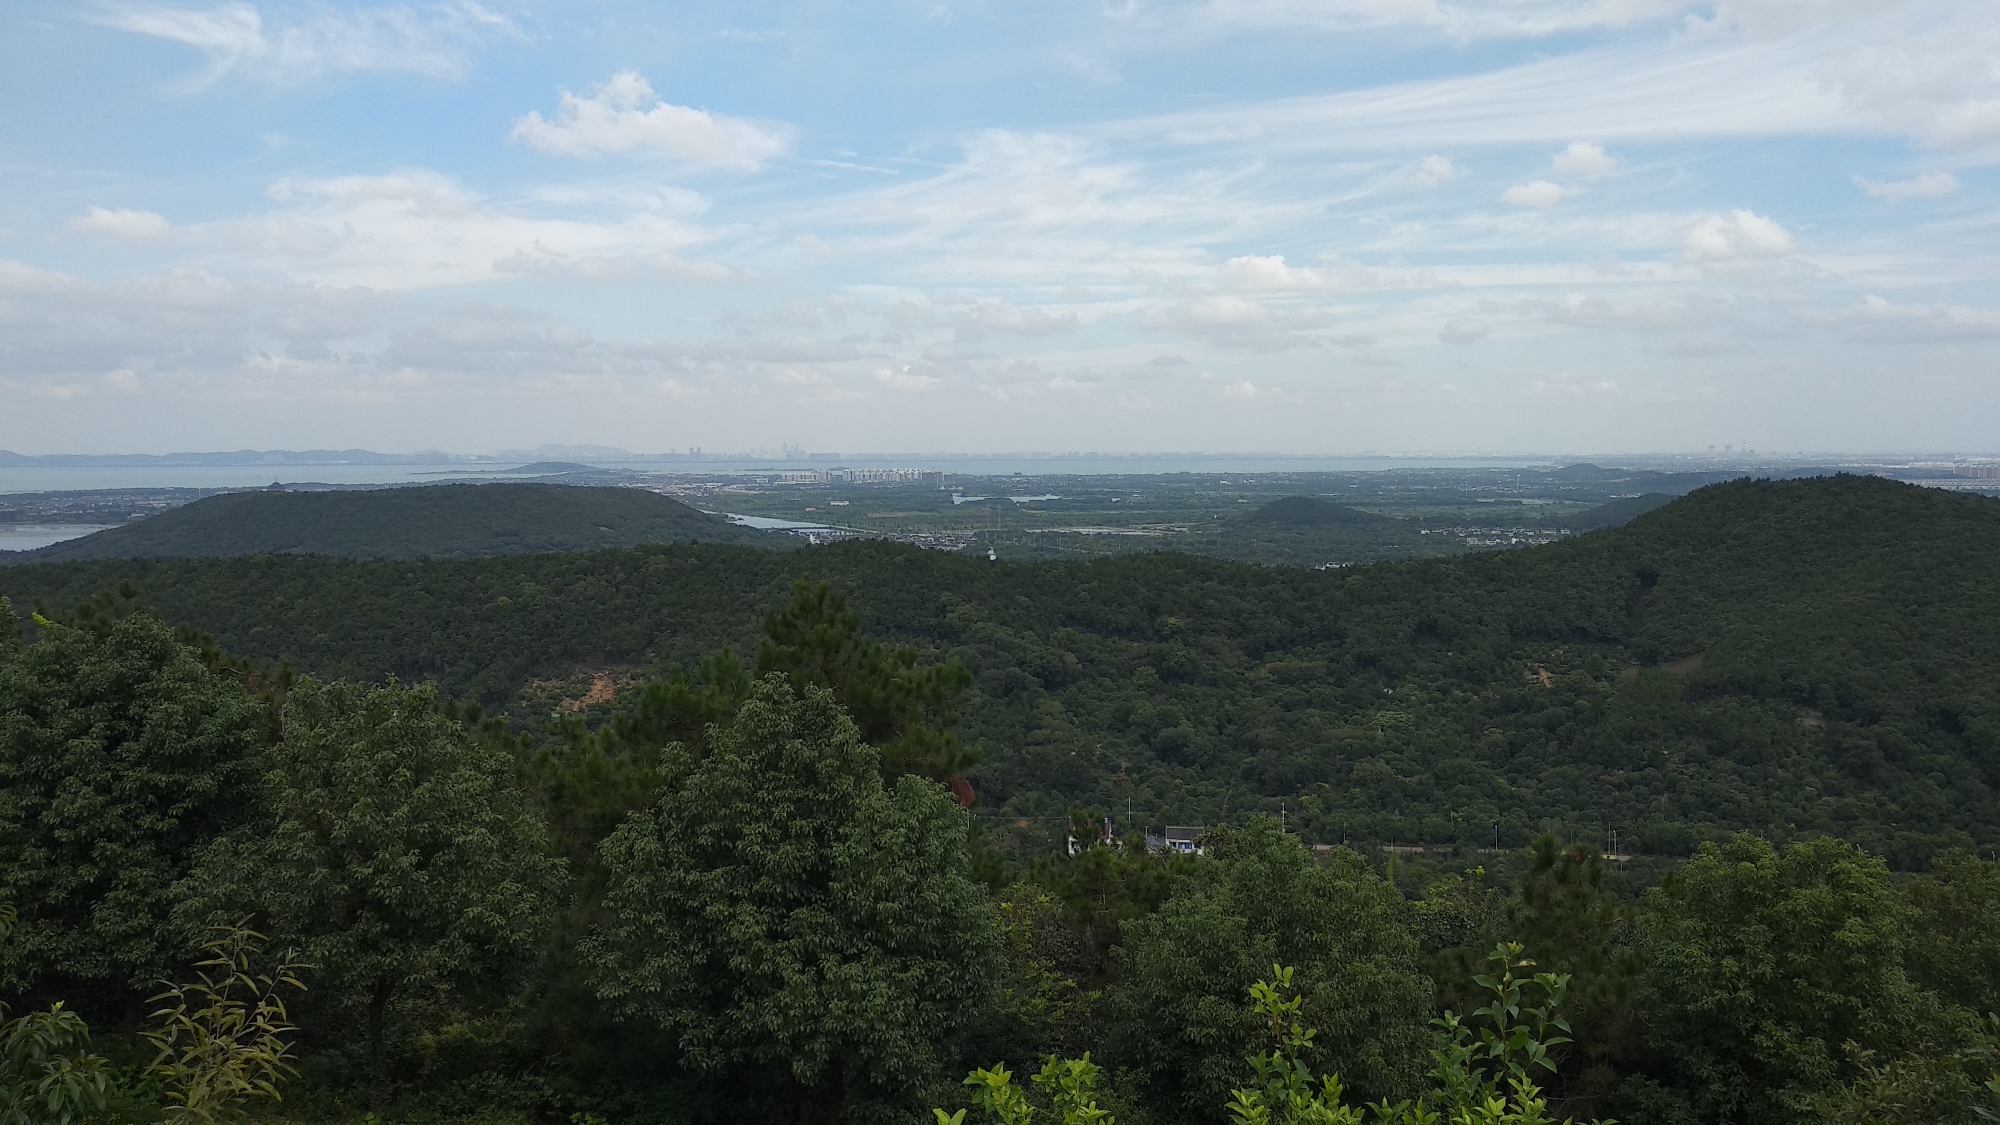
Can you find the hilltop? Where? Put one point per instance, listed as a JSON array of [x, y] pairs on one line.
[[430, 521], [1798, 657], [1616, 513]]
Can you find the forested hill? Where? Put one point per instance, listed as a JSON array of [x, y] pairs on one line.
[[1796, 657], [1310, 511], [432, 521]]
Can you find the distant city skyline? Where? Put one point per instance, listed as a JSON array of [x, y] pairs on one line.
[[1305, 227]]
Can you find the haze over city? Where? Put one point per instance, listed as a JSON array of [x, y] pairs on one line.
[[1313, 226]]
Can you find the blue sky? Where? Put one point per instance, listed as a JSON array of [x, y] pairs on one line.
[[1327, 226]]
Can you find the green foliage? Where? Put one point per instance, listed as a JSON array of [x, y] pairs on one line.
[[1840, 626], [1101, 888], [1071, 1087], [121, 755], [1282, 1091], [904, 710], [1954, 940], [1484, 1071], [1039, 1008], [1510, 1037], [590, 780], [1178, 1014], [1067, 1086], [781, 905], [1765, 962], [1920, 1089], [225, 1037], [47, 1074], [770, 898], [994, 1091], [400, 858], [1568, 920]]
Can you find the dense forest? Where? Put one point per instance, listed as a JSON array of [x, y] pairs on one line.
[[736, 879], [434, 521], [1796, 658]]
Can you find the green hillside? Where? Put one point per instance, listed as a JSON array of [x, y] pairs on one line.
[[434, 521], [1619, 512], [1310, 531], [1311, 511], [1796, 657]]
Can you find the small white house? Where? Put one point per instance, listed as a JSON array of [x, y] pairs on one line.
[[1181, 838]]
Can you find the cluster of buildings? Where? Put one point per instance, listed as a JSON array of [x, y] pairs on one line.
[[1185, 839], [926, 477]]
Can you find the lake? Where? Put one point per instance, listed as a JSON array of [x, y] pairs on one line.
[[28, 536]]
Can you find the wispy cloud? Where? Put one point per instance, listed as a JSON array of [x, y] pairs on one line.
[[1485, 19], [435, 41], [1882, 72], [420, 229], [1878, 317], [1930, 185], [1538, 193]]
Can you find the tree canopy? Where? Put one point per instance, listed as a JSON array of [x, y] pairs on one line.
[[400, 854], [782, 906], [122, 754]]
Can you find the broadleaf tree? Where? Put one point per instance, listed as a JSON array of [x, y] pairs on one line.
[[1179, 1015], [403, 857], [781, 906], [122, 756], [1770, 965]]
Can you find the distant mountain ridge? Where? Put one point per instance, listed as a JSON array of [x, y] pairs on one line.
[[426, 521]]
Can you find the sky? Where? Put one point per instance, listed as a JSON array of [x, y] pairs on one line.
[[1303, 226]]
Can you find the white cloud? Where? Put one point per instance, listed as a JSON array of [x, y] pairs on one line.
[[434, 41], [1739, 234], [1930, 185], [1464, 330], [905, 379], [1270, 273], [1540, 193], [625, 115], [999, 316], [419, 229], [1220, 311], [1880, 318], [1583, 158], [134, 226], [1433, 170]]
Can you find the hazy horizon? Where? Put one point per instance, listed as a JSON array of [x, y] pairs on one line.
[[245, 456], [1297, 225]]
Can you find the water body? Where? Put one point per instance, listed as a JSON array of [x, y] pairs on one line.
[[28, 536], [76, 478], [71, 478], [767, 523], [957, 498]]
